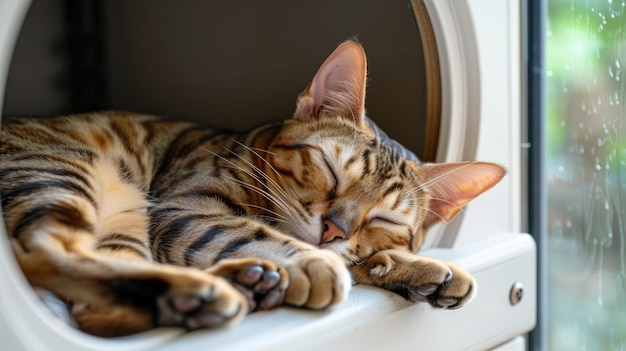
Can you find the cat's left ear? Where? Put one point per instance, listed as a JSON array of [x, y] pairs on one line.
[[452, 185], [338, 88]]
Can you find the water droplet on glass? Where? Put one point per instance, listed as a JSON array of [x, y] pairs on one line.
[[549, 73], [598, 167]]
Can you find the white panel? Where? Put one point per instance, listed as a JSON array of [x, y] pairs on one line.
[[479, 47], [497, 28], [517, 344], [374, 318]]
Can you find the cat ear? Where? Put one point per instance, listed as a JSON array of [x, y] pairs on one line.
[[452, 185], [338, 88]]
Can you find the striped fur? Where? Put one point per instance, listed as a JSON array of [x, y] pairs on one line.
[[140, 221]]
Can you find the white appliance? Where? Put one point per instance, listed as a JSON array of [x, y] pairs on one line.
[[478, 52]]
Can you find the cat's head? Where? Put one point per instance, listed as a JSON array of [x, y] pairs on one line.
[[342, 188]]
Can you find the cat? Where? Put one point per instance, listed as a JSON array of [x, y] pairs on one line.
[[137, 221]]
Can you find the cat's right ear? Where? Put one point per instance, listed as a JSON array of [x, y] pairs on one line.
[[452, 185], [338, 88]]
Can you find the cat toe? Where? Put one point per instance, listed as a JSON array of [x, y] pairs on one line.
[[426, 290], [261, 282], [446, 302], [185, 303], [209, 307]]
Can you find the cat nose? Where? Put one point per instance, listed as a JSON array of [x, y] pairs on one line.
[[331, 232]]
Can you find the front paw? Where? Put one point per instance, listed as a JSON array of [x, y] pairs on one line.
[[168, 296], [453, 288], [184, 297], [214, 304], [441, 284], [262, 282], [317, 279]]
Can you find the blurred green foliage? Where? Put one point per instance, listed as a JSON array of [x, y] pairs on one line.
[[586, 172]]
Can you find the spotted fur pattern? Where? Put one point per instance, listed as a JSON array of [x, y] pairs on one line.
[[137, 221]]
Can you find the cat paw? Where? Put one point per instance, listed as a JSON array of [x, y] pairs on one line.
[[317, 279], [260, 281], [210, 305], [454, 288], [186, 298], [441, 284]]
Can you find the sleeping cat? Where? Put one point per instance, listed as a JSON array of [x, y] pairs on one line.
[[138, 222]]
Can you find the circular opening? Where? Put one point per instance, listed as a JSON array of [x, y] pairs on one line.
[[221, 63]]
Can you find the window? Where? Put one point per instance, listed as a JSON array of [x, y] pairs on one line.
[[585, 170]]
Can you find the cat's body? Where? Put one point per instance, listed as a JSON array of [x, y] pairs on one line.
[[141, 222]]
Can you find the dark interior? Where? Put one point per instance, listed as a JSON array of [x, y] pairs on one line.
[[227, 63]]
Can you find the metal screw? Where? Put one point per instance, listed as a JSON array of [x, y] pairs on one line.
[[517, 293]]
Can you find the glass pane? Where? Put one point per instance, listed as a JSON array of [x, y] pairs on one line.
[[586, 172]]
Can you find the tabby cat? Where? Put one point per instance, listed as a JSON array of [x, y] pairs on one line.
[[137, 221]]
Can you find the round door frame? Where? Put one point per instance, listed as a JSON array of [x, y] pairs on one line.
[[454, 111]]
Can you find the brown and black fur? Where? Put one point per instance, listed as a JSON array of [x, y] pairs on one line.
[[139, 222]]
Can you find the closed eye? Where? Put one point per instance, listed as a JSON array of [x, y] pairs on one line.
[[383, 220], [333, 192]]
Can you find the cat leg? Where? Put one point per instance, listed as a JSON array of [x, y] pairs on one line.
[[317, 278], [55, 242], [441, 284], [160, 295]]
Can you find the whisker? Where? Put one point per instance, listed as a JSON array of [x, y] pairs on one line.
[[285, 199], [270, 197], [274, 198], [261, 171], [264, 209]]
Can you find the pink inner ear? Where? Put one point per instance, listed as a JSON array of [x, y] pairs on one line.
[[452, 185], [338, 87]]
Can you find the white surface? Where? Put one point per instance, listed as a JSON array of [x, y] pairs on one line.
[[479, 45], [370, 318], [517, 344], [376, 318]]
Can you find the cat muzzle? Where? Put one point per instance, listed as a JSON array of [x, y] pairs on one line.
[[331, 232]]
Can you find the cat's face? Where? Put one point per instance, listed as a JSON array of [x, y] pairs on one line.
[[343, 190], [336, 187]]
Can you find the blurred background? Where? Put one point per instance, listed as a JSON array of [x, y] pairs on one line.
[[585, 58]]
